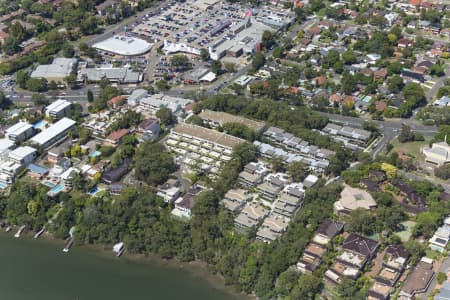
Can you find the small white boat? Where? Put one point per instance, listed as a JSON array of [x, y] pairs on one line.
[[8, 229], [68, 245], [19, 232], [118, 249], [38, 234]]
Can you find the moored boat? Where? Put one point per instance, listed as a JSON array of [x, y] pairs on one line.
[[19, 232]]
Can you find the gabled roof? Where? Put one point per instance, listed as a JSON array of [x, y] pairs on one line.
[[330, 228]]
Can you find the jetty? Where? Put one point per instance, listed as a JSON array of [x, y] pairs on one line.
[[38, 234], [19, 232], [69, 243], [119, 249]]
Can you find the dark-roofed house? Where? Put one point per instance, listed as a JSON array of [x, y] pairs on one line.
[[418, 281], [361, 245], [413, 76], [115, 174], [150, 129], [327, 231]]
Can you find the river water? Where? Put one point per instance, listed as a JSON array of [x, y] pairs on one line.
[[39, 270]]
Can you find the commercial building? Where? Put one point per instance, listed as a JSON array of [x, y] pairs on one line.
[[54, 133], [59, 69], [352, 199], [438, 154], [20, 132], [23, 155], [123, 46], [216, 119], [58, 109], [116, 75]]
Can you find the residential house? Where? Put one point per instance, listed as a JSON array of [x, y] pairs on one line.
[[113, 139], [113, 175], [253, 174], [418, 280], [250, 216], [235, 199], [272, 228], [352, 199], [150, 129]]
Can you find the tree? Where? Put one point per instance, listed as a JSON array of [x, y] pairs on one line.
[[258, 61], [165, 115], [395, 84], [268, 39], [162, 85], [349, 57], [297, 170], [216, 67], [71, 81], [4, 102], [348, 83], [36, 85], [442, 172], [90, 96], [390, 170], [230, 67], [179, 60], [17, 31], [11, 46], [361, 221], [153, 163], [39, 99], [204, 54], [21, 78], [68, 50], [441, 277]]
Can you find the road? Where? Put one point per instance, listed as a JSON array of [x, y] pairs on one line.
[[431, 93], [389, 128], [444, 268]]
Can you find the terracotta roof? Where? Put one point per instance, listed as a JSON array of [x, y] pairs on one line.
[[335, 98], [321, 80], [415, 2], [117, 135], [117, 100], [380, 105]]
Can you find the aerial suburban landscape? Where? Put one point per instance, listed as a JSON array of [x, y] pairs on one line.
[[295, 149]]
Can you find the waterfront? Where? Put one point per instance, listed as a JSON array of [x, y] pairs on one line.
[[39, 270]]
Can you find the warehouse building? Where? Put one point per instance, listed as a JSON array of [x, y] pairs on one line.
[[59, 69]]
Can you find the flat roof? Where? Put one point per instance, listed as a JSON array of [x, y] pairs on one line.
[[21, 152], [5, 144], [58, 105], [208, 135], [47, 134], [123, 45], [60, 67], [18, 128], [222, 118]]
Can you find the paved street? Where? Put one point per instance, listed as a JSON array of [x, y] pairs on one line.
[[389, 128], [431, 93]]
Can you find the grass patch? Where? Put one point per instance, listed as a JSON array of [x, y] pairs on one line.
[[433, 254], [410, 148]]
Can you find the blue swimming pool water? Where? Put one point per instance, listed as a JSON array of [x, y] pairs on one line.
[[95, 154], [94, 191], [39, 124], [2, 186], [58, 188], [48, 183]]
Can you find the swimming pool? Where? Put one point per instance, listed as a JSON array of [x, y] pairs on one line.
[[39, 124], [48, 183], [95, 154], [3, 186], [57, 188], [93, 191]]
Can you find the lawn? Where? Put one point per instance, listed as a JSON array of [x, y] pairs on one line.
[[407, 230], [410, 148]]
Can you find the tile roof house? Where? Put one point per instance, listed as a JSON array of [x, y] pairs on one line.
[[418, 281], [352, 199], [327, 231], [113, 139], [361, 245]]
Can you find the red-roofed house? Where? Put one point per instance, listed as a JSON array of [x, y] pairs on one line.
[[380, 105], [117, 101], [404, 43], [321, 80], [349, 99], [415, 2], [114, 138], [335, 98]]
